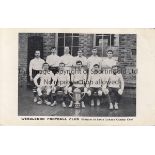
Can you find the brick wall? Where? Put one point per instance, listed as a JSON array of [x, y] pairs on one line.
[[86, 43], [127, 42], [127, 57], [22, 58], [48, 42]]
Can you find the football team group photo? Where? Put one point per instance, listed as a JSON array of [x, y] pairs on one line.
[[73, 74]]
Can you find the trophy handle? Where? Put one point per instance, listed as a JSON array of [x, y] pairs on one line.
[[71, 95], [83, 95]]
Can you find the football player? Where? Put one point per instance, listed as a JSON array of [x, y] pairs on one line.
[[62, 79], [47, 83], [116, 87], [34, 67], [78, 78], [108, 62], [94, 59], [53, 60], [67, 59], [80, 57], [94, 84]]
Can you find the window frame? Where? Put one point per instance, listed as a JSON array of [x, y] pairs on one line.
[[102, 35], [110, 46], [72, 35]]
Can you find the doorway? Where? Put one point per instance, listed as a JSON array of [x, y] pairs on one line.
[[34, 43]]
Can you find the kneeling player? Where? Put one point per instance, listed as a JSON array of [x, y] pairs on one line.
[[78, 78], [62, 83], [94, 85], [45, 86], [116, 87]]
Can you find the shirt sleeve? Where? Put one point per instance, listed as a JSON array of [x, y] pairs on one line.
[[68, 79], [72, 77], [85, 78], [100, 63], [89, 80], [54, 78], [105, 79], [115, 62], [121, 81], [58, 61], [30, 68], [85, 62], [43, 60], [88, 62], [103, 63], [71, 62], [36, 78], [47, 59], [74, 61]]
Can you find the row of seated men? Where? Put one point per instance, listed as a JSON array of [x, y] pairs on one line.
[[89, 81]]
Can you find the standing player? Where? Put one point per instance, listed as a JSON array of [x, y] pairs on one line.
[[63, 80], [34, 67], [108, 62], [116, 87], [53, 60], [67, 59], [81, 58], [94, 59], [46, 84], [94, 84], [78, 79]]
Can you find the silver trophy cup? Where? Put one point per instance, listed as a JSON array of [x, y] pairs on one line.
[[77, 96]]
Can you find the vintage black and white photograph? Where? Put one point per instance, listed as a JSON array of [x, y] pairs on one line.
[[77, 74]]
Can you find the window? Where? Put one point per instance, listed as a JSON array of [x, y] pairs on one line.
[[133, 52], [68, 39], [105, 39]]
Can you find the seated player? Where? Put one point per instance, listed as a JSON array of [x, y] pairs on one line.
[[62, 83], [46, 84], [94, 84], [116, 87], [78, 78]]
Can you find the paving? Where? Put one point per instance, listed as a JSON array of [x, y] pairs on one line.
[[26, 107]]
